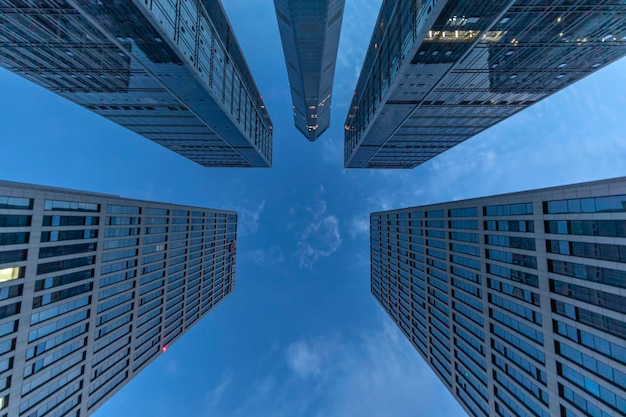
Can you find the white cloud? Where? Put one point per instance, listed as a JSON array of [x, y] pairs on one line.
[[373, 372], [320, 236], [360, 225], [380, 374], [249, 218], [267, 257], [214, 396], [304, 360]]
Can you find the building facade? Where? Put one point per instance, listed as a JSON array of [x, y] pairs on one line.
[[171, 71], [516, 301], [310, 31], [94, 287], [438, 72]]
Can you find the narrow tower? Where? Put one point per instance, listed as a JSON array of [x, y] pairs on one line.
[[310, 30]]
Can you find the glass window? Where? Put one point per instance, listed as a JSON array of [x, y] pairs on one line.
[[435, 213], [14, 220], [123, 209], [14, 238], [62, 250], [16, 203], [10, 310], [13, 256], [70, 206], [65, 264], [53, 297], [11, 273], [156, 211], [611, 204], [57, 281], [464, 212], [11, 292]]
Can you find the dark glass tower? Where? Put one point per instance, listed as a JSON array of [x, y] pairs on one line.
[[438, 72], [310, 30], [516, 301], [94, 287], [171, 71]]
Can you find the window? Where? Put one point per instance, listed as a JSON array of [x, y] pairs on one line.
[[15, 203], [14, 238], [52, 251], [13, 256], [464, 212], [509, 210], [13, 220], [123, 209], [8, 274], [70, 206], [609, 204]]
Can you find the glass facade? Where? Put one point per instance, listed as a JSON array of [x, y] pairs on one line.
[[310, 31], [438, 72], [90, 299], [516, 301], [169, 70]]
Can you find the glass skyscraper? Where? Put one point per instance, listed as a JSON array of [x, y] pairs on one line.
[[93, 287], [169, 70], [438, 72], [310, 30], [516, 301]]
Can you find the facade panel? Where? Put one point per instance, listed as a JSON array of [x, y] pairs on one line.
[[516, 301], [438, 72], [171, 71], [310, 35], [94, 287]]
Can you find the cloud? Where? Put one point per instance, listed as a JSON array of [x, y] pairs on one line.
[[360, 225], [371, 372], [320, 237], [379, 373], [304, 360], [331, 149], [214, 396], [267, 257], [249, 218], [312, 359]]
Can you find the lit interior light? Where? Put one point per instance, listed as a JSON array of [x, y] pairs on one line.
[[558, 20], [8, 274]]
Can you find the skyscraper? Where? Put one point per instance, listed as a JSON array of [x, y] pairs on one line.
[[516, 301], [93, 287], [309, 30], [170, 71], [438, 72]]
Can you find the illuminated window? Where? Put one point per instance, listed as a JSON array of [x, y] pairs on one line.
[[8, 274]]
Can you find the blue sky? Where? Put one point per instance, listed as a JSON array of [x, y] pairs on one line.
[[301, 335]]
